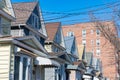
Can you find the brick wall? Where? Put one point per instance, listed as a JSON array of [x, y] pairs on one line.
[[107, 52]]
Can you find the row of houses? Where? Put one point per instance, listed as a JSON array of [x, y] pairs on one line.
[[33, 50]]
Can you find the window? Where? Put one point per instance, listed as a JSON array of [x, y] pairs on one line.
[[92, 51], [0, 24], [3, 2], [83, 33], [92, 42], [98, 32], [98, 51], [4, 28], [92, 31], [84, 42], [34, 21], [98, 42], [70, 33]]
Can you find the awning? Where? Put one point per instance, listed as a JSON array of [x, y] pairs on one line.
[[46, 61]]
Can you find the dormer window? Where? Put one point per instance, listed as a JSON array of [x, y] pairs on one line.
[[34, 21]]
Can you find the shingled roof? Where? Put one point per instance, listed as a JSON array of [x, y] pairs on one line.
[[23, 11], [69, 42], [52, 29]]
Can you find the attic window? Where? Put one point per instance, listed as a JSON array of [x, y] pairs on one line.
[[35, 21]]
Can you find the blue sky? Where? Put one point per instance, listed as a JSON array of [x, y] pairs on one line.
[[71, 6], [66, 5]]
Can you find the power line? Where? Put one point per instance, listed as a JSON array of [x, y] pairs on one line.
[[83, 13], [68, 12], [65, 16], [71, 14], [111, 3]]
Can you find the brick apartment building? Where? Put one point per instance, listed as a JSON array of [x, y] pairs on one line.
[[95, 42]]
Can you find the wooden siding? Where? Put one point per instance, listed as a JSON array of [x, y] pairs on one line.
[[5, 50], [3, 6], [17, 32]]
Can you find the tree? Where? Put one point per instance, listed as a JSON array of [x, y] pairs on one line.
[[110, 34]]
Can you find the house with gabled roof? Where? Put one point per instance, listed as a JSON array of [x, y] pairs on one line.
[[77, 69], [6, 60], [28, 35], [56, 48], [71, 47]]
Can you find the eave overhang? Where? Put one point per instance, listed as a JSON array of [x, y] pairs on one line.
[[20, 43], [56, 44], [6, 15]]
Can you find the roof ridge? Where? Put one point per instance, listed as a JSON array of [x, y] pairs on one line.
[[24, 2]]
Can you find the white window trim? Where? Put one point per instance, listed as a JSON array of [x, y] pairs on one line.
[[84, 42], [70, 33], [97, 41], [84, 32], [92, 31], [96, 32], [98, 54]]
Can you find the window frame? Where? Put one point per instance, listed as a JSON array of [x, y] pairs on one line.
[[98, 51], [92, 51], [92, 31], [83, 41], [97, 42], [70, 33], [35, 21], [97, 32], [83, 33]]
